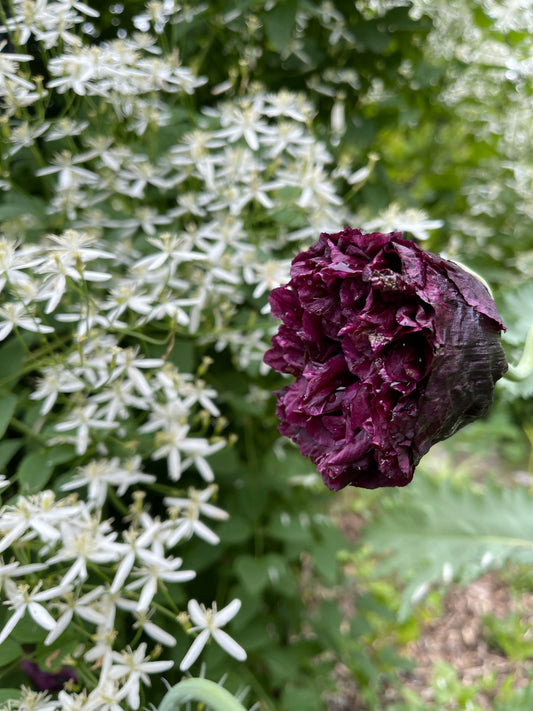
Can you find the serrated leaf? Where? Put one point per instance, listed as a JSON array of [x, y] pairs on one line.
[[437, 533], [8, 403]]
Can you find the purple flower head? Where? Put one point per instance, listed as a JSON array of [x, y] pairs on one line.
[[393, 349], [47, 681]]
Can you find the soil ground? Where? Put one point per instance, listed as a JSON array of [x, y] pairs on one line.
[[458, 637]]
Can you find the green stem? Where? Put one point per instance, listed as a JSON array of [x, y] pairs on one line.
[[23, 428], [524, 368], [166, 490], [202, 690], [163, 589], [117, 501]]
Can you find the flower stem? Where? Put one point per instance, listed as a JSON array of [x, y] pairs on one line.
[[202, 690], [24, 429], [524, 368]]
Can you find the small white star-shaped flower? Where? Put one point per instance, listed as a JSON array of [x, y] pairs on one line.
[[209, 621]]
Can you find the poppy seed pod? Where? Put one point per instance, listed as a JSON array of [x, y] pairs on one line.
[[393, 349]]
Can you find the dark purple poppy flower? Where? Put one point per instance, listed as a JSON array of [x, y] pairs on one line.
[[393, 349], [47, 681]]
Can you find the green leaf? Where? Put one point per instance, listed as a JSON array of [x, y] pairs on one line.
[[257, 573], [290, 528], [8, 448], [372, 36], [236, 530], [34, 471], [517, 313], [9, 695], [53, 657], [182, 354], [7, 408], [9, 651], [327, 624], [279, 23], [27, 631], [306, 699], [521, 700], [12, 355], [21, 205], [509, 634], [253, 637], [435, 532], [59, 454], [282, 664], [324, 553]]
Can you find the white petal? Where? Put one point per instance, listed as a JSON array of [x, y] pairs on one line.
[[174, 465], [91, 615], [5, 330], [155, 632], [147, 595], [196, 613], [229, 645], [51, 593], [155, 261], [214, 512], [60, 627], [122, 572], [195, 650], [77, 570], [10, 624], [15, 533], [140, 382], [41, 615], [204, 469], [45, 530], [227, 613], [89, 275], [133, 694], [202, 531], [156, 666], [179, 576]]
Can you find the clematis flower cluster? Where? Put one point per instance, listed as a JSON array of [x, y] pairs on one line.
[[137, 251], [103, 290], [392, 348]]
